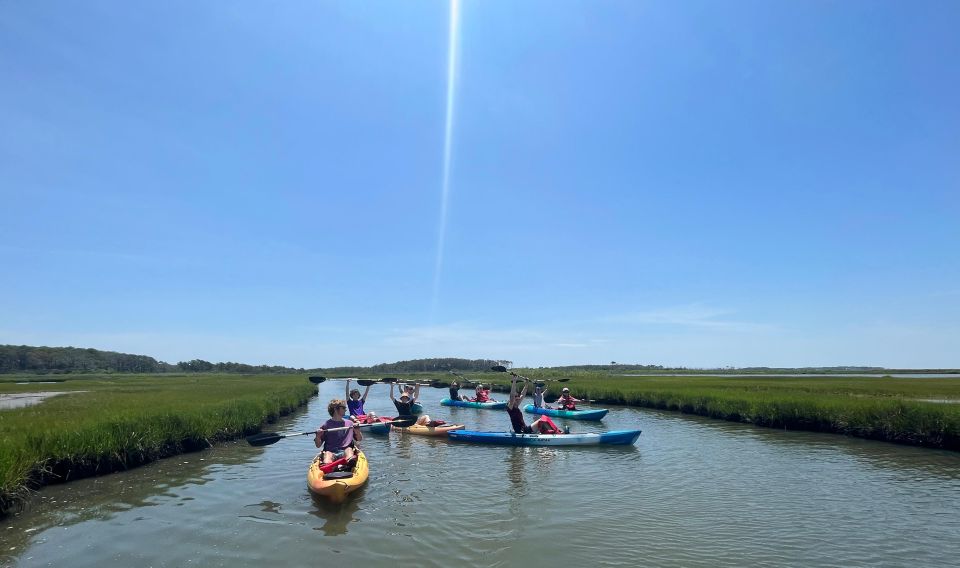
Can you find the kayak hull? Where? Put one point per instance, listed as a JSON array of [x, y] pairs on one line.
[[492, 405], [337, 490], [416, 409], [419, 430], [574, 414], [377, 426], [616, 437]]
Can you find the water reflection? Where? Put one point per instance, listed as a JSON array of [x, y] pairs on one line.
[[337, 517], [104, 498], [909, 460]]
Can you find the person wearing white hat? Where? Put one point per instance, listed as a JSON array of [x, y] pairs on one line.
[[567, 402]]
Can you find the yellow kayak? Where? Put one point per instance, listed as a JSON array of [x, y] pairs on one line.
[[336, 485], [430, 430]]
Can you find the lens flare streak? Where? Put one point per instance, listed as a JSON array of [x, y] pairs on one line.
[[447, 148]]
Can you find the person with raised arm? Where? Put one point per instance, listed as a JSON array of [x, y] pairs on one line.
[[539, 391], [405, 404], [355, 401], [542, 425]]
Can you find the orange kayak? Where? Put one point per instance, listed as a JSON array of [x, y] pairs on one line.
[[336, 485], [430, 430]]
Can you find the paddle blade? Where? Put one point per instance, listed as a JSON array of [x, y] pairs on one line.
[[389, 380], [366, 382], [499, 368], [264, 439], [562, 380], [440, 385], [317, 380]]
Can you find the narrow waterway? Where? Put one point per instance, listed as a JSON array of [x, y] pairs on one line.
[[691, 492]]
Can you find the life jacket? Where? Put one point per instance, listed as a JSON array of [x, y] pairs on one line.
[[566, 403], [483, 396]]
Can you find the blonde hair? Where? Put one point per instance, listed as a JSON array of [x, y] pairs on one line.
[[334, 404]]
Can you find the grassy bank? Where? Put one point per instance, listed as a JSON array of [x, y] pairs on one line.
[[893, 410], [112, 422]]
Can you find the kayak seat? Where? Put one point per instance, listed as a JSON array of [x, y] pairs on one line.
[[338, 475]]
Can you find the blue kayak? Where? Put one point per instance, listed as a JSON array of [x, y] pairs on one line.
[[616, 437], [417, 408], [492, 405], [575, 414]]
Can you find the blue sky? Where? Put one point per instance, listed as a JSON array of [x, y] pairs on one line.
[[678, 183]]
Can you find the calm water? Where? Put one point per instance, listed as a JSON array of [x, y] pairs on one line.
[[692, 492]]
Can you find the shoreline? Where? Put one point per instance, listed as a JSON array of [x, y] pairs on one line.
[[107, 428], [918, 412]]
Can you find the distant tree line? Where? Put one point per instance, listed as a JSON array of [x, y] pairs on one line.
[[436, 365], [201, 366], [613, 366], [27, 359], [23, 358]]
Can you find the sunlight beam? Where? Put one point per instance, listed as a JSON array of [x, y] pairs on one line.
[[447, 148]]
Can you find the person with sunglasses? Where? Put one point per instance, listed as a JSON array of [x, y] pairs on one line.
[[338, 443]]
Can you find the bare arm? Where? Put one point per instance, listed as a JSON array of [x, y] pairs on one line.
[[346, 391], [416, 394], [365, 393], [393, 398], [512, 401]]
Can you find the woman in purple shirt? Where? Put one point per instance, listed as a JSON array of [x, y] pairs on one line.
[[337, 443], [355, 401]]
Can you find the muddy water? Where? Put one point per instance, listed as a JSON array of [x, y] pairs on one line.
[[692, 492]]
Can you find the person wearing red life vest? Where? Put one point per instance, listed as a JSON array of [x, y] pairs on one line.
[[567, 402], [483, 395]]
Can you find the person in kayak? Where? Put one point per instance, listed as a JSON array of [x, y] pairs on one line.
[[455, 391], [355, 401], [405, 405], [567, 402], [482, 394], [539, 391], [542, 425], [337, 443]]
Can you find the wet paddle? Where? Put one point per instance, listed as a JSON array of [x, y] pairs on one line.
[[267, 438]]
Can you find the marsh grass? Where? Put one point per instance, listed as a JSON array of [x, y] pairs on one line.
[[111, 422], [879, 408]]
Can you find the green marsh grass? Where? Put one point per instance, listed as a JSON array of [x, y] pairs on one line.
[[111, 422]]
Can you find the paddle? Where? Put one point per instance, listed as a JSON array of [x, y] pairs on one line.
[[361, 382], [267, 438], [502, 369]]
